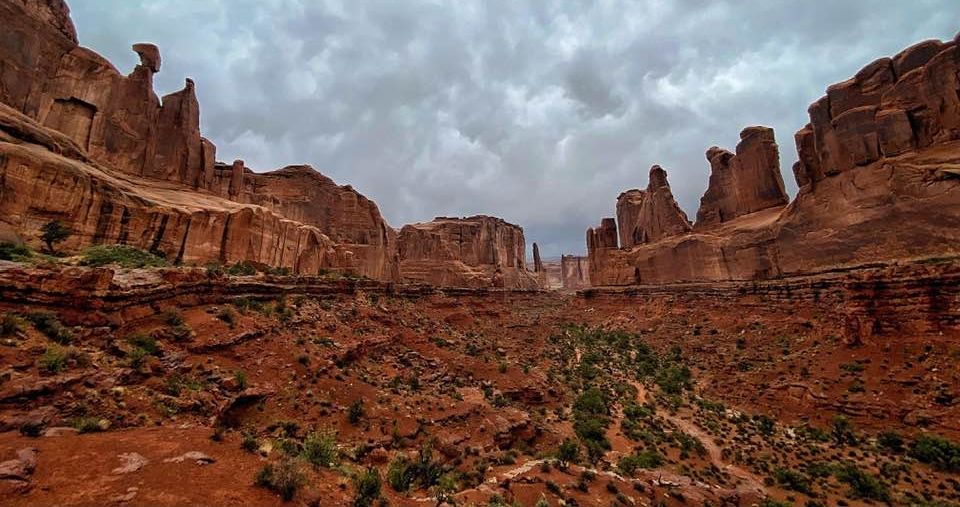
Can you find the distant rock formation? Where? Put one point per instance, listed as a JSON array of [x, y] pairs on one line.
[[476, 251], [647, 216], [744, 183], [878, 182], [538, 269], [574, 272]]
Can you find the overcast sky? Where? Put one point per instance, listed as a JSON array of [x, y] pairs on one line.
[[537, 112]]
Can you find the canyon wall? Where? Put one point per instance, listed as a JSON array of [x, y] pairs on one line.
[[98, 150], [476, 251], [138, 171], [877, 176]]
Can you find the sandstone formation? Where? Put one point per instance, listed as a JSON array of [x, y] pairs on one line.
[[539, 270], [878, 182], [468, 252], [744, 183], [99, 151], [574, 272], [647, 216]]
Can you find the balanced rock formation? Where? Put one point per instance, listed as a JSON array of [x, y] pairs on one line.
[[878, 182], [744, 183], [477, 251], [647, 216]]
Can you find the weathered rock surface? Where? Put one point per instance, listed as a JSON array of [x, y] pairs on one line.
[[647, 216], [878, 181], [744, 183], [892, 106], [98, 150], [476, 251], [575, 272]]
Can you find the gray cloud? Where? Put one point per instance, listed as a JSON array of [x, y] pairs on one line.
[[538, 112]]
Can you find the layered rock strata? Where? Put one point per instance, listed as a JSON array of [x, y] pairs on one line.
[[138, 172], [98, 150], [468, 252], [878, 182]]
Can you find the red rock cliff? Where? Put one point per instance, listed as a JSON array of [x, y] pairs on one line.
[[136, 170], [878, 183], [477, 251]]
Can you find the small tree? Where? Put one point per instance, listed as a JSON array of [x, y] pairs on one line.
[[54, 232], [568, 453]]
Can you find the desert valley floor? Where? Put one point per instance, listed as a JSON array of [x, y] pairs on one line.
[[185, 386]]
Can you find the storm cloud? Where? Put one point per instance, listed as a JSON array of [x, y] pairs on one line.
[[537, 112]]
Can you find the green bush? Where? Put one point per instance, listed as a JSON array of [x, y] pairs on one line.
[[14, 252], [173, 318], [400, 474], [241, 378], [645, 460], [422, 472], [242, 268], [249, 442], [227, 316], [284, 478], [11, 324], [356, 412], [48, 324], [145, 342], [842, 431], [124, 256], [367, 488], [674, 379], [937, 451], [177, 383], [320, 448], [87, 424], [793, 480], [568, 452], [862, 484], [891, 441], [136, 357], [54, 359], [592, 401]]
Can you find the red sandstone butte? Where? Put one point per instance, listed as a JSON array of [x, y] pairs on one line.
[[476, 251]]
